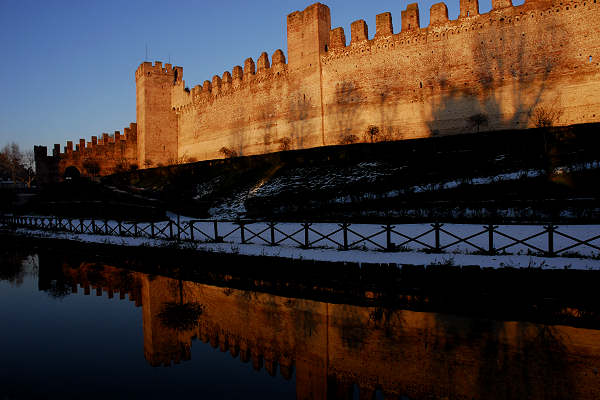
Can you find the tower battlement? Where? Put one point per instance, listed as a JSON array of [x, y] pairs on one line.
[[111, 154], [157, 69]]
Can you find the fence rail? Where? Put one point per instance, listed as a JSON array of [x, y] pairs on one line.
[[489, 239]]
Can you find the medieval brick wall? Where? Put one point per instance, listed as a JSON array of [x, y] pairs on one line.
[[503, 65], [480, 72], [103, 156], [497, 68]]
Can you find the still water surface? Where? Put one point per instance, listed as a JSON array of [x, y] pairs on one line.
[[89, 330]]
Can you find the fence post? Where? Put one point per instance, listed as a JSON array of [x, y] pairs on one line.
[[436, 227], [120, 228], [550, 228], [152, 229], [192, 230], [81, 224], [345, 230], [216, 230], [272, 227], [135, 229], [93, 226], [306, 225], [70, 225], [242, 232], [388, 237], [106, 226], [491, 228], [171, 229]]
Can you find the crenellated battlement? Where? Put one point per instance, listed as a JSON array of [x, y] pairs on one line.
[[503, 13], [128, 137], [107, 155], [263, 72], [157, 69]]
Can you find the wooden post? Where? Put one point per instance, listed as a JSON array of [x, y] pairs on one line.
[[490, 228], [306, 225], [170, 229], [272, 227], [216, 229], [550, 229], [345, 230], [120, 228], [436, 228], [388, 237], [152, 229], [192, 230], [242, 232]]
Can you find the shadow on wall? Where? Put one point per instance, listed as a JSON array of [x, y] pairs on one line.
[[237, 140], [348, 99], [501, 60], [299, 111], [268, 127]]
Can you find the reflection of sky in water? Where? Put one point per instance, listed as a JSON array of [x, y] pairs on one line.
[[92, 347]]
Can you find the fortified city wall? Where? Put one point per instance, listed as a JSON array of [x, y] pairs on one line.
[[416, 83], [101, 156], [482, 71]]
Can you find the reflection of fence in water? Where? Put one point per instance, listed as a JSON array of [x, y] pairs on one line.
[[488, 239]]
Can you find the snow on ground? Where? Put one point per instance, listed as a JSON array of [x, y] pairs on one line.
[[363, 173], [369, 253]]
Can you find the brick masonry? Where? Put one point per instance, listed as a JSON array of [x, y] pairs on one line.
[[416, 83]]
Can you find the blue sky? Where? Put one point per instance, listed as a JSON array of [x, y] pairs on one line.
[[68, 69]]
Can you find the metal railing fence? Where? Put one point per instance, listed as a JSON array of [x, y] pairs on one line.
[[489, 239]]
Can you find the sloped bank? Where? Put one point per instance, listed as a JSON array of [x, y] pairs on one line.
[[514, 176]]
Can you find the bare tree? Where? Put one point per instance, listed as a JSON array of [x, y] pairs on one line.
[[28, 160], [11, 161], [478, 120], [285, 144], [371, 133], [349, 139], [228, 152], [545, 116]]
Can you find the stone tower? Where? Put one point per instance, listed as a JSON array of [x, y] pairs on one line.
[[156, 119], [308, 41]]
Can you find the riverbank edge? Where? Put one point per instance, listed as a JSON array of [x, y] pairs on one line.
[[531, 294]]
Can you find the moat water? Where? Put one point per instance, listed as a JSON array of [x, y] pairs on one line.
[[83, 329]]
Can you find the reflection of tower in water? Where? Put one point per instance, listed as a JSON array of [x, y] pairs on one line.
[[334, 348]]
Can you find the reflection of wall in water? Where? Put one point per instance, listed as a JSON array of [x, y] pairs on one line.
[[334, 347]]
